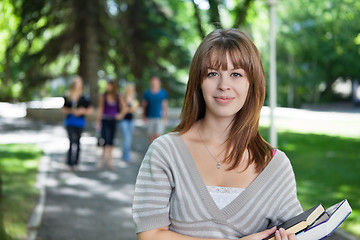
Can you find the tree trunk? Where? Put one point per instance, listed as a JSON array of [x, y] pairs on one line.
[[241, 13], [88, 43], [214, 13], [135, 39], [198, 20]]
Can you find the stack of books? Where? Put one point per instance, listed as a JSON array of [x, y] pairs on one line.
[[317, 222]]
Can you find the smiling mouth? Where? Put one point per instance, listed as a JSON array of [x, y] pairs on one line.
[[224, 99]]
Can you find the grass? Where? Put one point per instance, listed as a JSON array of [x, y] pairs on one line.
[[18, 166], [326, 169]]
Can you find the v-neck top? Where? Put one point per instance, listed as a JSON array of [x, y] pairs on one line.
[[170, 191]]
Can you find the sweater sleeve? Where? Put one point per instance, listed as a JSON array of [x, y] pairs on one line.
[[153, 189], [289, 205]]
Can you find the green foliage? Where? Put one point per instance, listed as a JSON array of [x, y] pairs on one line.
[[18, 166], [130, 40], [316, 46]]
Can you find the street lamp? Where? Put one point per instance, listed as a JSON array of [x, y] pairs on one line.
[[273, 134]]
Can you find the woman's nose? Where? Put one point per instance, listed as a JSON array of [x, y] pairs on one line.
[[223, 84]]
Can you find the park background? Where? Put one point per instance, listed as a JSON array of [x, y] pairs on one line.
[[45, 43]]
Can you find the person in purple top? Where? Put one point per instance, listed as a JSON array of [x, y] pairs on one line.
[[111, 108], [155, 108]]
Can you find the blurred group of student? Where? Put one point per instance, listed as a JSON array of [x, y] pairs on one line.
[[114, 110]]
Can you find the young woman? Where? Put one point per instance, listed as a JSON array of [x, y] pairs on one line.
[[76, 107], [111, 109], [127, 124], [215, 177]]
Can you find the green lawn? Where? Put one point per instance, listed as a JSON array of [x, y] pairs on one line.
[[18, 165], [327, 171]]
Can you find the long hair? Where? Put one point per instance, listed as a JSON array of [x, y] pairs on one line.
[[130, 91], [114, 89], [244, 134], [74, 92]]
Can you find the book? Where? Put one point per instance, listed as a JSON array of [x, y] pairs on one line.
[[333, 217], [301, 221]]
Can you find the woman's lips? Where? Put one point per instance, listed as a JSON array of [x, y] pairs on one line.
[[224, 99]]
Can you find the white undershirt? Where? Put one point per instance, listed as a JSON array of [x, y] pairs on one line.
[[223, 195]]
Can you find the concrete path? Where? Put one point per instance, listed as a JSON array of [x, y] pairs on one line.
[[88, 204]]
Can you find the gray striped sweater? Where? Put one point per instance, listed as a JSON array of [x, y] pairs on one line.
[[170, 192]]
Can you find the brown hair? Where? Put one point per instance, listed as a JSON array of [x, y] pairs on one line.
[[244, 133], [114, 89]]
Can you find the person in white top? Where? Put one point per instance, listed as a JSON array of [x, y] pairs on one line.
[[219, 126]]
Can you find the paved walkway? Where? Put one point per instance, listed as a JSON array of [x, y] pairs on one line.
[[88, 204]]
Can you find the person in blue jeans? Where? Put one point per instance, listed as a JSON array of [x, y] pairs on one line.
[[127, 124], [155, 109], [76, 107]]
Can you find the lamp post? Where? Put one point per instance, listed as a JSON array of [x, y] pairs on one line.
[[273, 97]]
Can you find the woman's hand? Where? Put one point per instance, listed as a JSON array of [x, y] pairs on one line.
[[282, 235], [119, 116], [279, 235], [260, 235], [79, 111], [98, 126]]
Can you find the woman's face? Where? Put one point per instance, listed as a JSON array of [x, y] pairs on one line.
[[109, 87], [225, 91], [78, 85]]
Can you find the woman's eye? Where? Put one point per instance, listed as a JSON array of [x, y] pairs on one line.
[[236, 75], [212, 74]]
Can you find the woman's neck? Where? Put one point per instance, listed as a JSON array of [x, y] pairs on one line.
[[74, 96], [214, 130]]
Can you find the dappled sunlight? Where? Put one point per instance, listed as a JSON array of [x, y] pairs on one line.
[[84, 211], [55, 209], [108, 176], [125, 195]]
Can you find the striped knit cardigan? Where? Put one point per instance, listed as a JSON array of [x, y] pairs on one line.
[[170, 192]]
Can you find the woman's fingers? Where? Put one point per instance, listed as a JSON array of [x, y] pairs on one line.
[[292, 237], [281, 234], [260, 235]]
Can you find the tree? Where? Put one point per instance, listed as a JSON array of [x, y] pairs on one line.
[[316, 46], [117, 37], [150, 44], [49, 30], [238, 13]]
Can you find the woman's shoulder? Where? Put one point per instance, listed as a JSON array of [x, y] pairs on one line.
[[280, 159], [85, 100], [280, 155], [167, 138], [163, 148]]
